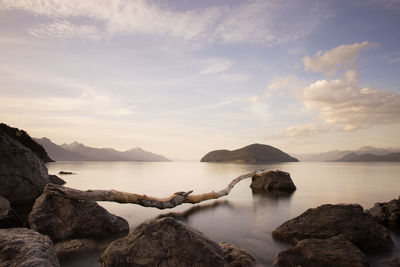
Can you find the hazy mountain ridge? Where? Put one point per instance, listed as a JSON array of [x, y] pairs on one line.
[[255, 153], [354, 157], [336, 155], [79, 152]]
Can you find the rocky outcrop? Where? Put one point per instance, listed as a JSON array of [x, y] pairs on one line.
[[75, 247], [61, 218], [237, 257], [26, 248], [329, 252], [54, 179], [387, 213], [330, 220], [23, 175], [277, 181], [8, 217], [164, 242]]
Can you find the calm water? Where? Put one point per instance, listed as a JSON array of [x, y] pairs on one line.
[[242, 218]]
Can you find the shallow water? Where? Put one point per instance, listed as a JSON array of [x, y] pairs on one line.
[[242, 218]]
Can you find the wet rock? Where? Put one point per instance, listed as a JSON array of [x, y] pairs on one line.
[[237, 257], [26, 248], [8, 217], [387, 213], [23, 175], [277, 181], [65, 173], [62, 218], [163, 242], [330, 252], [330, 220], [75, 247], [54, 179]]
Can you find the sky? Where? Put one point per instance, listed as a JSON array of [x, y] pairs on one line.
[[184, 77]]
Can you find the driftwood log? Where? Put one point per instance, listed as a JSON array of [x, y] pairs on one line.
[[143, 200]]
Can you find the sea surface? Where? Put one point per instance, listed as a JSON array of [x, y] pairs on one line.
[[241, 218]]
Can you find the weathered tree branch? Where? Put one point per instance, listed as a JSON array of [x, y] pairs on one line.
[[174, 200]]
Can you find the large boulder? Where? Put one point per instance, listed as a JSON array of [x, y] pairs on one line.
[[26, 248], [387, 213], [272, 181], [329, 252], [237, 257], [62, 218], [330, 220], [8, 217], [164, 242], [23, 175]]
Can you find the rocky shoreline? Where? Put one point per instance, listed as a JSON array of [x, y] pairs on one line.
[[57, 227]]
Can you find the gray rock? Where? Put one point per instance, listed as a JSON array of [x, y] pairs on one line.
[[330, 252], [272, 181], [330, 220], [237, 257], [386, 213], [21, 247], [23, 175], [163, 242], [54, 179], [8, 217], [62, 218]]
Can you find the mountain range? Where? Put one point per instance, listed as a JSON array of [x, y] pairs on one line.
[[337, 155], [79, 152], [354, 157]]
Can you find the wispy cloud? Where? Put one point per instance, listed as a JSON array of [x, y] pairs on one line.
[[216, 65], [252, 21], [280, 83]]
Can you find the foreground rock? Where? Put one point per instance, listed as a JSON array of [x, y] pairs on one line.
[[274, 181], [61, 218], [26, 248], [75, 247], [330, 252], [8, 217], [330, 220], [54, 179], [237, 257], [386, 213], [164, 242], [23, 175]]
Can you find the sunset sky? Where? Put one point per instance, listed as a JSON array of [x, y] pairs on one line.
[[181, 78]]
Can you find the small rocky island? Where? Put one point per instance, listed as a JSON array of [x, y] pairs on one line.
[[255, 153]]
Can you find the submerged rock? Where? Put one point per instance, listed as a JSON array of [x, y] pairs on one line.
[[330, 220], [329, 252], [237, 257], [62, 218], [8, 217], [164, 242], [278, 181], [386, 213], [26, 248], [23, 175], [65, 173], [75, 247]]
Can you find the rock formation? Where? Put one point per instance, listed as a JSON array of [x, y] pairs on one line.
[[255, 153], [387, 213], [61, 218], [237, 257], [26, 248], [330, 220], [54, 179], [167, 242], [23, 175], [272, 181], [8, 217], [329, 252]]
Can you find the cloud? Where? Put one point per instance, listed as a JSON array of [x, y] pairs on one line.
[[253, 99], [280, 83], [216, 65], [344, 102], [341, 57], [251, 22], [65, 29], [234, 77], [309, 129]]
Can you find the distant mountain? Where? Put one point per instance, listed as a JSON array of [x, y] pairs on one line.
[[335, 155], [24, 138], [255, 153], [354, 157], [79, 152]]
